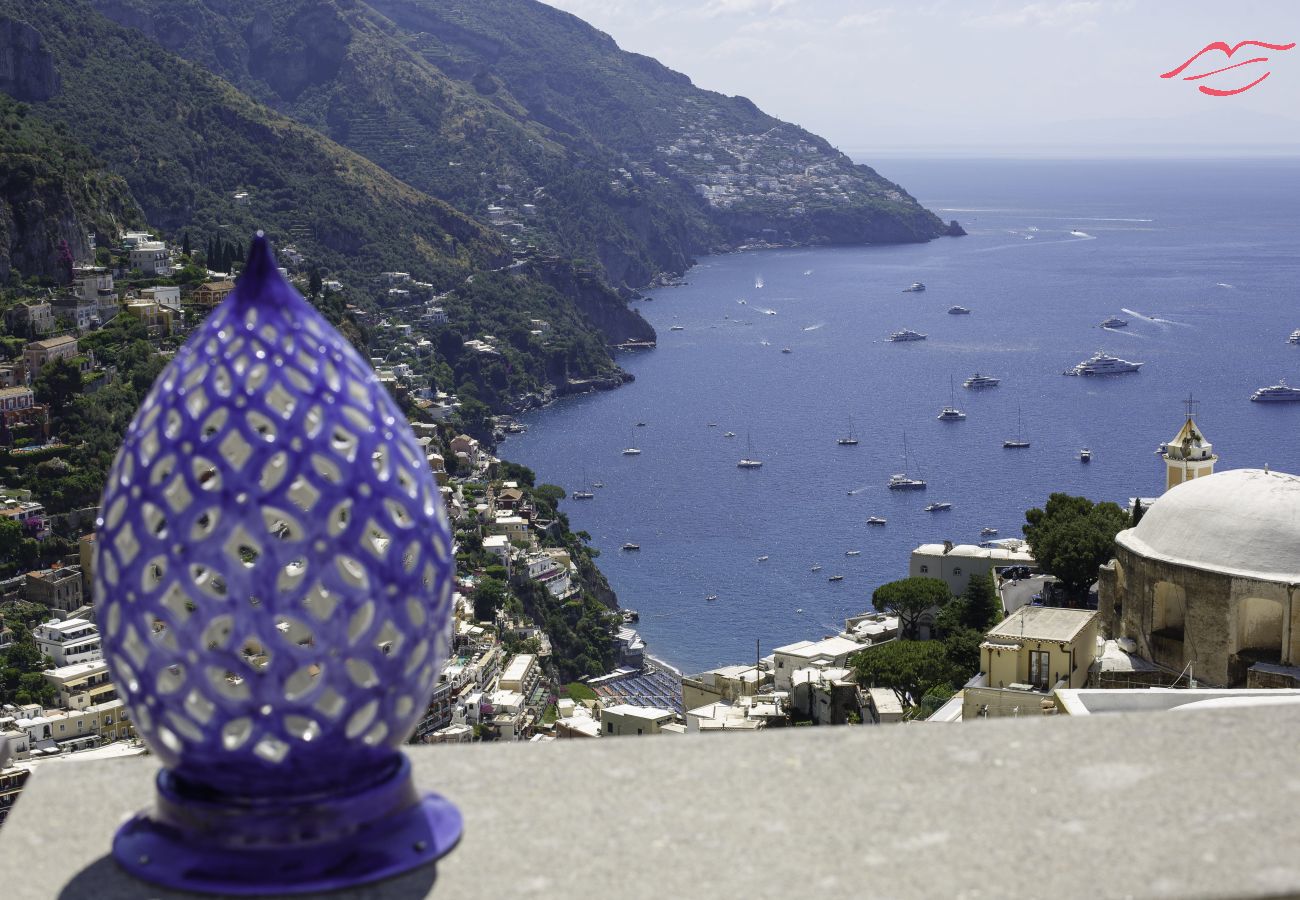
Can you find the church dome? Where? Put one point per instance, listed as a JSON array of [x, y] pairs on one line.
[[1243, 522]]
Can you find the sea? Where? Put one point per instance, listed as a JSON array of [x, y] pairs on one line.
[[1201, 258]]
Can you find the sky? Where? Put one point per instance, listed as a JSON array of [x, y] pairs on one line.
[[1002, 77]]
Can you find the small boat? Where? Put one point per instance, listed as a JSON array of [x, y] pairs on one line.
[[876, 520], [1277, 393], [765, 343], [951, 413], [762, 559], [631, 615], [958, 311], [758, 281], [1294, 338], [1115, 322], [730, 434], [906, 334], [710, 598], [1018, 443], [977, 381], [677, 328], [713, 424], [915, 287], [937, 507], [583, 495], [836, 578], [988, 532], [631, 546], [640, 424], [807, 271], [849, 440], [598, 484], [1085, 455], [786, 350], [852, 552], [816, 569], [769, 312]]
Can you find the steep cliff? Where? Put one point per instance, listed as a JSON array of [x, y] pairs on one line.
[[52, 190]]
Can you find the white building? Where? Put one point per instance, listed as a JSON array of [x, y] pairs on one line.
[[152, 258], [521, 675], [832, 652], [622, 719], [954, 564], [69, 642]]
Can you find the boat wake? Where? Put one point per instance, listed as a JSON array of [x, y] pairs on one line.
[[1083, 234], [767, 312], [1224, 284], [814, 327], [1125, 332], [1155, 319]]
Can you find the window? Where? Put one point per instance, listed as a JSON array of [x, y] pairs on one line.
[[639, 731], [609, 727], [956, 571], [925, 568], [1038, 663]]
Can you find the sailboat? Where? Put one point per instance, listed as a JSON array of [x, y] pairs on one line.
[[583, 493], [850, 440], [1019, 441], [950, 412], [633, 450], [899, 481], [748, 461]]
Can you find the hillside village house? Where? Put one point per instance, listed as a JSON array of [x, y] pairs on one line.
[[39, 353], [56, 589], [833, 652], [1029, 654], [212, 293], [157, 318], [69, 642], [28, 513], [30, 318], [82, 685], [954, 564], [152, 258], [622, 719]]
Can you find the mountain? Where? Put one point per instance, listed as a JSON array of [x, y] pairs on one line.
[[526, 117], [52, 190], [201, 158]]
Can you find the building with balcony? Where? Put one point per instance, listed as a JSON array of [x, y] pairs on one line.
[[831, 653], [28, 513], [522, 674], [28, 318], [1206, 581], [213, 292], [69, 642], [152, 258], [81, 685]]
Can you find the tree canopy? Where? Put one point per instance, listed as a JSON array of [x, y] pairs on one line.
[[909, 668], [909, 599], [1071, 536]]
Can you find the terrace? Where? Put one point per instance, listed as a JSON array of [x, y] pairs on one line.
[[1099, 807]]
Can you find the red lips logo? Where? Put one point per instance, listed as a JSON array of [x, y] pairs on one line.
[[1223, 48]]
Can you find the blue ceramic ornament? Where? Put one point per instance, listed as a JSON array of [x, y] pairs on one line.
[[274, 566]]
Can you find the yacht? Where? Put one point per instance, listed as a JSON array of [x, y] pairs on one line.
[[937, 507], [958, 311], [710, 598], [816, 569], [583, 495], [848, 440], [876, 520], [748, 461], [762, 559], [730, 434], [677, 328], [950, 412], [981, 381], [1019, 442], [988, 532], [1085, 455], [1115, 322], [915, 287], [632, 451], [631, 546], [1101, 364], [1277, 393], [832, 578], [786, 350], [852, 552], [1294, 338], [906, 334], [899, 481]]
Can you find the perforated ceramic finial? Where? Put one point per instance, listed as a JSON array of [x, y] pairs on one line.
[[274, 569]]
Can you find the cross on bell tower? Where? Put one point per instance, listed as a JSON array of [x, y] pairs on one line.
[[1189, 455]]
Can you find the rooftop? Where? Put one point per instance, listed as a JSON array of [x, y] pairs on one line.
[[1124, 819], [832, 646], [1042, 623]]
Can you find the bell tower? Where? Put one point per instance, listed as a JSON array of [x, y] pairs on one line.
[[1189, 455]]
